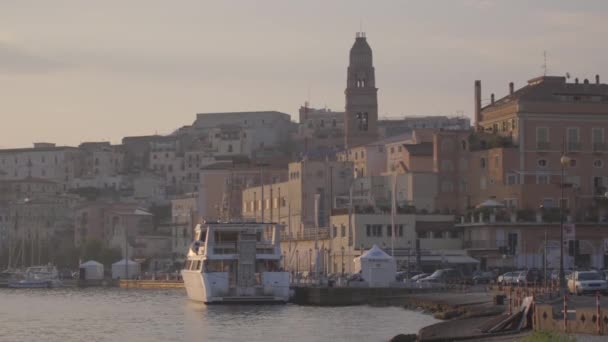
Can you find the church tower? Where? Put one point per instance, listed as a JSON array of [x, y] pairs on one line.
[[361, 114]]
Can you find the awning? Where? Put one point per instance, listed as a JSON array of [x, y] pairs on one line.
[[447, 259]]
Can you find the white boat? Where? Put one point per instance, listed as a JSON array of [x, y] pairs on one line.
[[38, 277], [236, 263]]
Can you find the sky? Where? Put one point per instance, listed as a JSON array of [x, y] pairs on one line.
[[74, 71]]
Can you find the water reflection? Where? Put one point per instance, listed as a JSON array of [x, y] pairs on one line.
[[167, 315]]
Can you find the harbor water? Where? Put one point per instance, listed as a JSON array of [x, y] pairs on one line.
[[114, 314]]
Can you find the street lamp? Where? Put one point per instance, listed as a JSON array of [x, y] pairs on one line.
[[309, 262], [342, 260], [564, 161]]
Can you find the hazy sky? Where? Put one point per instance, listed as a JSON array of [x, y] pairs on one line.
[[73, 71]]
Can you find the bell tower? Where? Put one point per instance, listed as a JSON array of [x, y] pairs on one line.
[[361, 112]]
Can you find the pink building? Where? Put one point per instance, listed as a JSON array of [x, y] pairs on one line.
[[547, 118]]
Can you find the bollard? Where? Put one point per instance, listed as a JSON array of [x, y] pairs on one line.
[[599, 313], [566, 313]]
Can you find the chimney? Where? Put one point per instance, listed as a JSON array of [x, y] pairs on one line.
[[511, 88], [597, 79], [477, 103], [576, 80], [492, 98], [586, 81]]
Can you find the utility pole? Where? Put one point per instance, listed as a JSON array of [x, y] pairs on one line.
[[262, 190]]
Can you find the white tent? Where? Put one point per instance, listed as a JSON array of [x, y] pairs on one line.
[[125, 269], [92, 270], [377, 268]]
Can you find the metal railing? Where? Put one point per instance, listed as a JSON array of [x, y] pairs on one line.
[[599, 147], [543, 145], [485, 244], [308, 234]]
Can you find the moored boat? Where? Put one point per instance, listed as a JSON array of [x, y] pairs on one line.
[[38, 277], [236, 263]]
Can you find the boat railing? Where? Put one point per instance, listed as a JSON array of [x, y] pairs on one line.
[[225, 248]]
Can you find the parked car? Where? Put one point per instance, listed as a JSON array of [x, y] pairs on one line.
[[511, 278], [420, 276], [447, 275], [555, 275], [587, 282], [483, 277], [403, 275], [533, 275]]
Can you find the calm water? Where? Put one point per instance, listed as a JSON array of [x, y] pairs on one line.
[[167, 315]]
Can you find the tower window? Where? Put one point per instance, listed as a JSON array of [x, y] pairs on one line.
[[362, 121]]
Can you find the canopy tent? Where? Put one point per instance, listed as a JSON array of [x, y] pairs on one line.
[[377, 268], [125, 269], [490, 203], [91, 270]]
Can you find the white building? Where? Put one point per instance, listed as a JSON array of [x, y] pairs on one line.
[[44, 161]]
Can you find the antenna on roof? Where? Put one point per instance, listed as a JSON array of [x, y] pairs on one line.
[[545, 63], [567, 75]]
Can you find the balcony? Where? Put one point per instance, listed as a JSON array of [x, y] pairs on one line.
[[543, 145], [574, 146], [599, 147], [307, 234], [485, 244]]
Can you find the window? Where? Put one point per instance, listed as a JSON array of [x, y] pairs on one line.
[[389, 230], [511, 179], [400, 230], [362, 121], [512, 243], [548, 203], [574, 181], [377, 230], [542, 163], [542, 137], [542, 179], [597, 137], [598, 163], [510, 202], [572, 162], [335, 231], [423, 235], [392, 150], [343, 230], [573, 139], [482, 163], [368, 230]]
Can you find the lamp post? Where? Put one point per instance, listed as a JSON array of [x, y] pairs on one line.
[[309, 262], [342, 248], [564, 161], [297, 262]]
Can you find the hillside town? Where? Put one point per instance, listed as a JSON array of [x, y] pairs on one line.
[[431, 191]]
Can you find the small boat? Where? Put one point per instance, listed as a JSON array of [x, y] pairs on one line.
[[37, 277], [236, 263]]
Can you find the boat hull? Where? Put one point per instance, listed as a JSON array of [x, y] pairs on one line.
[[213, 288]]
